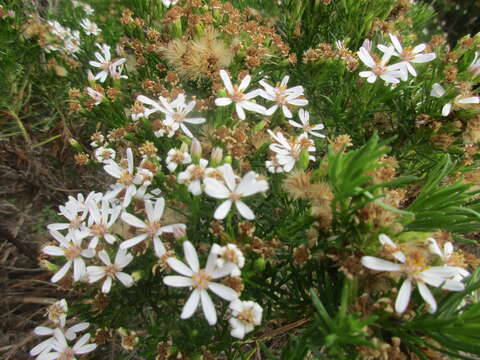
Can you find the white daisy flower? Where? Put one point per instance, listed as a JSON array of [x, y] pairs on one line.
[[200, 280], [236, 95], [448, 258], [101, 220], [75, 217], [232, 192], [151, 228], [62, 351], [125, 179], [417, 271], [90, 27], [245, 316], [80, 202], [105, 155], [408, 55], [70, 248], [283, 96], [47, 345], [193, 175], [95, 95], [304, 116], [273, 166], [287, 152], [461, 101], [176, 157], [176, 112], [105, 63], [57, 312], [229, 255], [111, 271], [379, 68]]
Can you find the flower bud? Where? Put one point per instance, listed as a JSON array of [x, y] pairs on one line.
[[76, 145], [217, 156], [196, 150], [179, 232], [303, 161], [259, 265]]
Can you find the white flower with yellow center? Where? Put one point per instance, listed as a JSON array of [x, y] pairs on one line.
[[408, 55], [125, 176], [379, 68], [417, 271], [287, 153], [70, 248], [448, 257], [106, 64], [176, 157], [90, 27], [245, 316], [231, 256], [193, 176], [62, 351], [105, 155], [151, 228], [101, 220], [232, 192], [98, 97], [47, 345], [200, 280], [111, 271], [283, 97], [236, 94], [461, 101], [305, 125]]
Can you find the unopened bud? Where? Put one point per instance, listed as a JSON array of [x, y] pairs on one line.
[[227, 159], [76, 145], [184, 147], [196, 150], [179, 232], [259, 265], [222, 92], [217, 156], [90, 76], [137, 275], [303, 161]]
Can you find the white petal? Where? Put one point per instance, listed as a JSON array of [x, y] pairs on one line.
[[244, 210], [191, 304], [133, 221], [240, 111], [226, 81], [79, 269], [107, 284], [43, 331], [403, 297], [224, 101], [446, 109], [53, 251], [208, 308], [427, 296], [437, 90], [133, 241], [469, 100], [375, 263], [61, 273], [158, 247], [125, 279], [191, 256], [179, 267], [223, 291], [216, 189], [223, 210], [104, 257], [177, 281]]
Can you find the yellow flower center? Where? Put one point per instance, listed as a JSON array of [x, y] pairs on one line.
[[200, 280]]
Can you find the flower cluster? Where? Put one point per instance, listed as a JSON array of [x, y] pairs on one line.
[[221, 262], [392, 73], [57, 345]]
